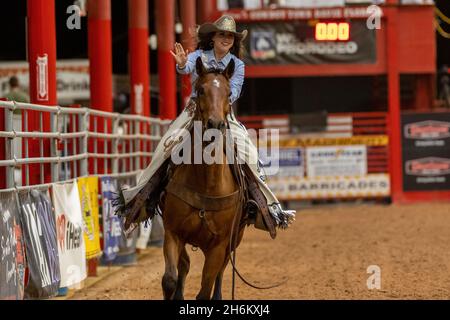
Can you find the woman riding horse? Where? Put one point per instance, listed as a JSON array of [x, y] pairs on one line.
[[219, 43]]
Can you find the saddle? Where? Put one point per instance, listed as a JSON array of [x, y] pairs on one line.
[[152, 196]]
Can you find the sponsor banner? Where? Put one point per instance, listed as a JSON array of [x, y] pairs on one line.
[[72, 78], [290, 162], [127, 245], [426, 131], [256, 4], [425, 174], [336, 161], [426, 151], [112, 230], [69, 232], [88, 192], [294, 188], [375, 141], [39, 232], [12, 258], [278, 43], [303, 14]]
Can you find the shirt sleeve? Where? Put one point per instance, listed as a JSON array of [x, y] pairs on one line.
[[237, 80], [190, 64]]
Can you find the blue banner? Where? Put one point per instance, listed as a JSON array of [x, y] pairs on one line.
[[111, 223]]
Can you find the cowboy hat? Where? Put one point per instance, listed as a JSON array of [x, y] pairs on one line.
[[224, 23]]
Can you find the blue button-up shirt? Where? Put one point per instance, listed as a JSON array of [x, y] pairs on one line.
[[209, 61]]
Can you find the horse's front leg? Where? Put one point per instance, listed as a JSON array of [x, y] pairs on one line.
[[214, 259], [172, 250], [183, 270], [217, 295]]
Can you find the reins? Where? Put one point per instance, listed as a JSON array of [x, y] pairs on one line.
[[234, 234]]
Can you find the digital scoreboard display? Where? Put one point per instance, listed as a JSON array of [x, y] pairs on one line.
[[317, 30], [332, 31], [314, 41]]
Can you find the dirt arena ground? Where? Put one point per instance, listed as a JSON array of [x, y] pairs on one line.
[[325, 255]]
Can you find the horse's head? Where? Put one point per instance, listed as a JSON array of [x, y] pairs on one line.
[[213, 91]]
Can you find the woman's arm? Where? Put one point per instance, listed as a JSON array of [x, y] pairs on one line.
[[189, 66], [185, 61], [237, 80]]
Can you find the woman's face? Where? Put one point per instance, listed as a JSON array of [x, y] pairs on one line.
[[223, 41]]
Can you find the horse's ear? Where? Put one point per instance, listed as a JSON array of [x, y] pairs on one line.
[[229, 70], [199, 66]]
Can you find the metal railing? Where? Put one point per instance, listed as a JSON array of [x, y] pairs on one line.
[[56, 144]]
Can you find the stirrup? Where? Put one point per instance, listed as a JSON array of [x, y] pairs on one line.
[[252, 208]]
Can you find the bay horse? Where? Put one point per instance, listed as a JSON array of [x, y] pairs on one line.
[[203, 202]]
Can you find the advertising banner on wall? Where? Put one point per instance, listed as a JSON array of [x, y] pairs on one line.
[[72, 78], [292, 188], [12, 263], [127, 244], [290, 162], [426, 151], [88, 192], [69, 232], [280, 43], [39, 231], [336, 161], [112, 230]]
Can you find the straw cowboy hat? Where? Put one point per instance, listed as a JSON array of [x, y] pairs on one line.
[[224, 23]]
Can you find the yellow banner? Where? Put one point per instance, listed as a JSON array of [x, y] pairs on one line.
[[375, 140], [88, 190]]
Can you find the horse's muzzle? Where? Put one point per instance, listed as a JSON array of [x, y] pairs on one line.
[[219, 125]]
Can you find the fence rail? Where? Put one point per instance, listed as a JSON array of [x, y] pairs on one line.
[[46, 144]]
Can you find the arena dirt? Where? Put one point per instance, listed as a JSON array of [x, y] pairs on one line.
[[324, 255]]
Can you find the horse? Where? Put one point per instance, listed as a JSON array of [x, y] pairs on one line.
[[203, 202]]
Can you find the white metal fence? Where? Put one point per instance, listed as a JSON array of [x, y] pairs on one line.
[[55, 144]]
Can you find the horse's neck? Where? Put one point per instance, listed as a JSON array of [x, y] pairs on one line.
[[214, 179]]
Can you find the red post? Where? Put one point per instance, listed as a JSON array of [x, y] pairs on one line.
[[166, 64], [2, 150], [100, 68], [100, 54], [139, 56], [395, 145], [207, 10], [42, 65], [187, 9]]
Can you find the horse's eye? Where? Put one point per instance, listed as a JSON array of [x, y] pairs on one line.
[[200, 91]]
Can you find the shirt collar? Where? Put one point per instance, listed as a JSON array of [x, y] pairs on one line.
[[225, 60]]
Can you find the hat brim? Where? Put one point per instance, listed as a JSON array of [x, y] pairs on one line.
[[210, 27]]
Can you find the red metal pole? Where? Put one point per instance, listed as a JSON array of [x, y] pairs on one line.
[[207, 10], [187, 9], [100, 69], [166, 65], [100, 54], [2, 149], [42, 65], [395, 145], [139, 56]]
